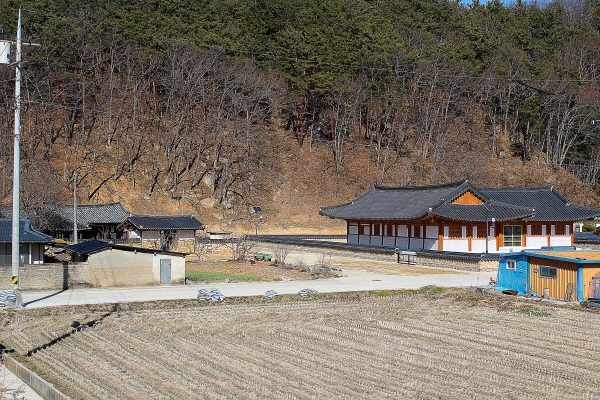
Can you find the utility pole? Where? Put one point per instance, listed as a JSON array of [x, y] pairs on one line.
[[17, 163], [5, 59], [75, 207]]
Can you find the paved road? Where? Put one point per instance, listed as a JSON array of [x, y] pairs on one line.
[[353, 280]]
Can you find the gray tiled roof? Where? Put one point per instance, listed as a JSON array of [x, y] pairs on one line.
[[413, 202], [157, 222], [109, 213], [95, 246], [27, 235]]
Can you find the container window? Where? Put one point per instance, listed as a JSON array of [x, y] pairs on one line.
[[548, 272], [511, 265]]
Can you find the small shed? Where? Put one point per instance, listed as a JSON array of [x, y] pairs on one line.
[[572, 275], [110, 264]]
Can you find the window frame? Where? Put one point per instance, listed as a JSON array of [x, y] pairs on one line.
[[548, 275], [512, 243], [511, 265]]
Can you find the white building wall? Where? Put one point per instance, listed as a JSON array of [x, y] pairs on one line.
[[402, 243], [536, 242], [560, 240], [389, 241], [377, 241], [461, 245], [478, 246], [353, 239], [431, 244]]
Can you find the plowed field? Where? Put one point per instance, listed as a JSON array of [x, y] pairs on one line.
[[353, 346]]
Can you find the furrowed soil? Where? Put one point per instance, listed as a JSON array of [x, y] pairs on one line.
[[429, 344]]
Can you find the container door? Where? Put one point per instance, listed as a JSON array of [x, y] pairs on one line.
[[165, 271], [594, 292]]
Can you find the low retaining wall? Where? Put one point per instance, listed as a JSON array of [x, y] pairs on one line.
[[438, 259], [457, 263], [38, 276], [59, 276], [33, 380]]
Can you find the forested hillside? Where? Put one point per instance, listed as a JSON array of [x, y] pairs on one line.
[[293, 105]]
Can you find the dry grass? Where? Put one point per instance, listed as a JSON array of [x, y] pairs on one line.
[[452, 345]]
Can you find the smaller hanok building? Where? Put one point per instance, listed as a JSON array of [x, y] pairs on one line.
[[31, 243], [460, 217], [572, 275], [162, 231]]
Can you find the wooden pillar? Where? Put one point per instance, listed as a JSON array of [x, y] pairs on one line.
[[469, 236], [499, 236], [423, 236], [440, 237], [524, 235]]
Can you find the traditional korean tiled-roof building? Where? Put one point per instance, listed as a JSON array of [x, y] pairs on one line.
[[31, 242], [460, 216], [161, 231]]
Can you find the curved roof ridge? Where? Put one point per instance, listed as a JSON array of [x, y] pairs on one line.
[[427, 187], [351, 201], [520, 188]]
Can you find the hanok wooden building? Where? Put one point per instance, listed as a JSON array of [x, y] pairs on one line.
[[460, 217]]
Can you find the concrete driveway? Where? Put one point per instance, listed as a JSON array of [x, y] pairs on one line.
[[352, 280]]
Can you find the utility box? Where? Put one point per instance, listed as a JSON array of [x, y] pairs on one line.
[[4, 52]]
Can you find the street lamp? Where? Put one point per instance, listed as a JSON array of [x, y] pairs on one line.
[[487, 229], [256, 210]]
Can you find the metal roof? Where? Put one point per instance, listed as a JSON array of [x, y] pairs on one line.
[[27, 235], [162, 222], [407, 203]]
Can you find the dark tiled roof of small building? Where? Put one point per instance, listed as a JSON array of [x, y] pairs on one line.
[[88, 247], [95, 246], [504, 204], [27, 235], [160, 222]]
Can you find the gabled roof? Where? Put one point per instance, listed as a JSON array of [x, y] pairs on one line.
[[407, 203], [162, 222], [27, 235], [96, 246], [90, 214]]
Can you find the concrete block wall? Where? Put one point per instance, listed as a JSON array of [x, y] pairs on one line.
[[37, 277], [58, 276]]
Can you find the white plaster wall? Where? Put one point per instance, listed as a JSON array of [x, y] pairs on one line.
[[402, 230], [377, 241], [353, 239], [431, 232], [536, 242], [431, 244], [402, 243], [456, 245], [353, 229], [364, 239], [478, 246], [389, 241], [560, 240]]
